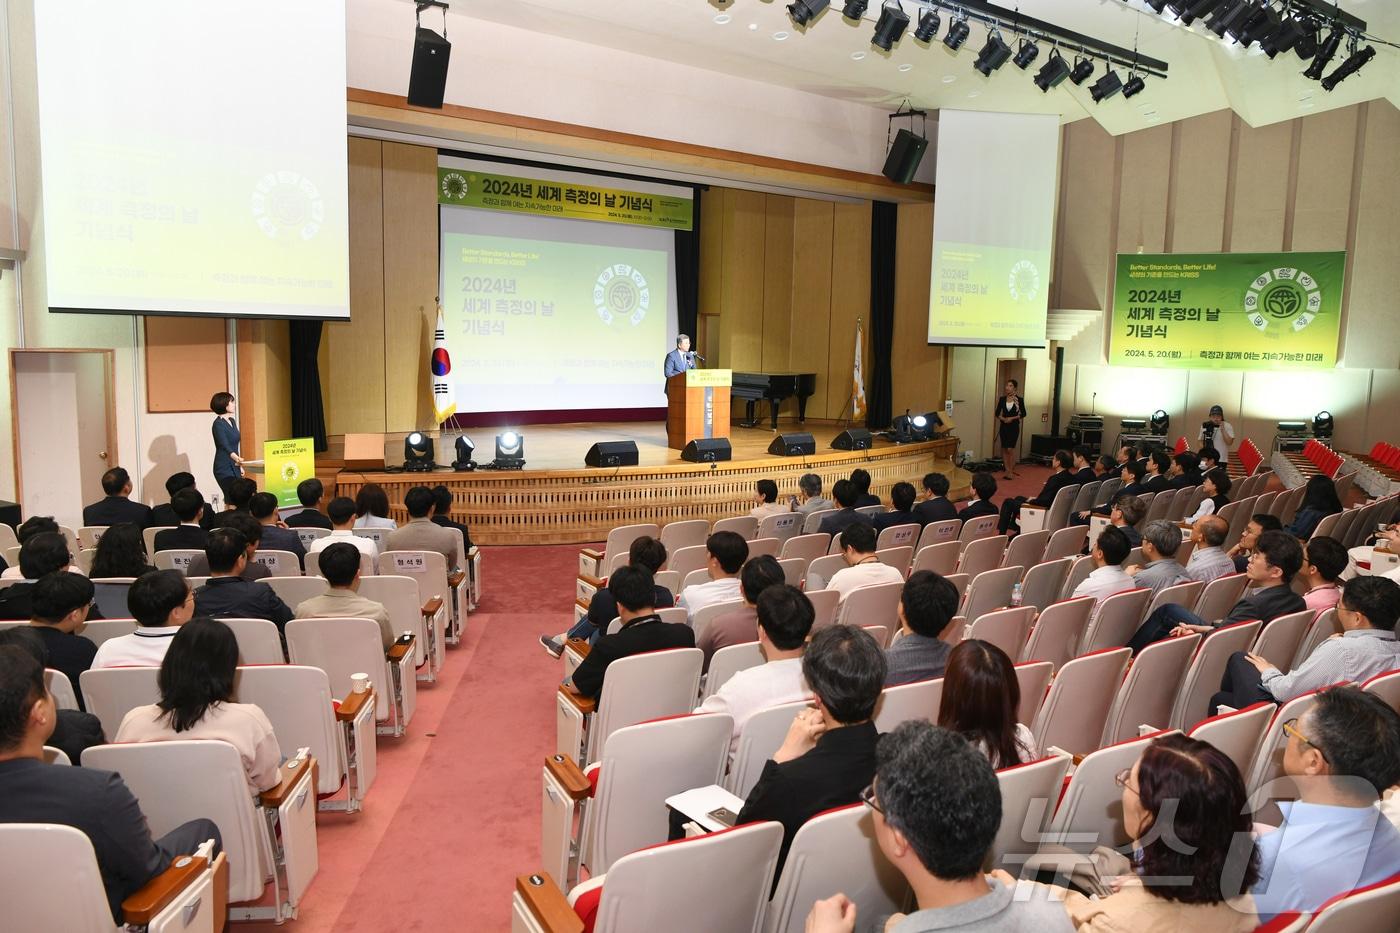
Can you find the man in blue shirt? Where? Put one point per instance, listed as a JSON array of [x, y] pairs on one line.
[[1341, 754]]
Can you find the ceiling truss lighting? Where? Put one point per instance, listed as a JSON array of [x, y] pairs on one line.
[[854, 9], [958, 31], [1354, 63], [993, 55], [1107, 85], [1053, 72], [928, 26], [803, 12], [1083, 67], [1133, 86], [1326, 51], [1026, 54], [889, 28]]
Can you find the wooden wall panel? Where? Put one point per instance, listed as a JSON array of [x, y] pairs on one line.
[[712, 207], [809, 349], [850, 299], [1322, 204], [918, 371], [186, 362], [777, 283], [1370, 337], [410, 283], [1201, 153], [742, 288], [354, 371], [1260, 187], [1142, 201], [1083, 246]]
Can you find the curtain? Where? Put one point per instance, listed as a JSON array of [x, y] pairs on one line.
[[884, 218], [688, 275], [308, 417]]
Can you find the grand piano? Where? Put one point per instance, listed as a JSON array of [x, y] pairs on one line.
[[775, 387]]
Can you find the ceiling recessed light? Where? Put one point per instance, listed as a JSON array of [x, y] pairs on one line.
[[972, 94], [753, 27], [857, 56], [906, 67], [722, 18], [949, 79], [780, 35]]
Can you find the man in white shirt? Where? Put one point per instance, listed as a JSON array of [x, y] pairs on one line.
[[161, 602], [864, 568], [1107, 577], [341, 512], [765, 500], [810, 498], [784, 620], [1208, 559], [1218, 433], [728, 551]]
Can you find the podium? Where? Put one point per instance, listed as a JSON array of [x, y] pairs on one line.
[[697, 406]]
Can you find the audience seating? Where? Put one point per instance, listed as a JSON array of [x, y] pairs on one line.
[[871, 605], [900, 558], [637, 688], [695, 578], [9, 540], [1161, 505], [821, 570], [60, 688], [687, 560], [380, 536], [990, 590], [782, 527], [1149, 689], [707, 614], [669, 580], [1058, 631], [1079, 571], [1089, 813], [1033, 679], [99, 630], [344, 647], [814, 520], [296, 590], [761, 736], [975, 528], [824, 605], [1236, 733], [1115, 620], [939, 533], [109, 595], [281, 563], [671, 615], [959, 581], [1066, 542], [12, 554], [761, 546], [745, 526], [899, 536], [677, 535], [1007, 628], [941, 558], [1267, 764], [807, 547], [1364, 909], [1279, 639], [982, 554], [918, 700], [310, 534], [1026, 549], [1385, 685], [728, 661], [1028, 795], [794, 570], [1202, 678], [56, 756], [259, 642], [175, 559], [1220, 596], [110, 693], [1076, 708], [436, 585], [591, 562], [399, 596], [1236, 513], [313, 565], [1086, 497], [1180, 594], [1037, 518]]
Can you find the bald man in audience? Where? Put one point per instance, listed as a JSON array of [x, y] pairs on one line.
[[1208, 559]]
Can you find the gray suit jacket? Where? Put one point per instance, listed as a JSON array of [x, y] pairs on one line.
[[677, 363], [420, 534]]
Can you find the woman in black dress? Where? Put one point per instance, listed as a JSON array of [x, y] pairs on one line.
[[1011, 410]]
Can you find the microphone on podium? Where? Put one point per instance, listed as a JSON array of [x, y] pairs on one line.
[[696, 356]]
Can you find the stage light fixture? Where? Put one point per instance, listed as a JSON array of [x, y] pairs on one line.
[[1322, 425], [1133, 425], [958, 31], [1054, 71], [1026, 54], [1354, 63], [1285, 37], [993, 55], [854, 9], [1083, 67], [1306, 46], [510, 451], [1159, 423], [1192, 10], [928, 26], [802, 12], [1259, 26], [1157, 5], [1326, 51], [1292, 428], [889, 28], [1107, 85], [418, 453], [465, 449], [1227, 16], [1134, 86]]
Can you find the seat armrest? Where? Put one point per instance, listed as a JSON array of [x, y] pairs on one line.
[[349, 707], [566, 773], [580, 702], [595, 582], [151, 898], [1027, 507], [291, 773], [595, 555], [580, 646], [399, 649], [548, 904], [431, 607], [455, 578]]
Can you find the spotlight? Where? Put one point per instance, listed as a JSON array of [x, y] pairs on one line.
[[1083, 67], [1354, 63], [1026, 54], [958, 32], [890, 26], [928, 26], [1107, 85], [1325, 53], [854, 9], [993, 55], [1134, 86], [1259, 27], [1227, 16], [418, 453], [1133, 425], [510, 451], [1188, 11], [465, 449], [803, 12], [1306, 46], [908, 428], [1054, 71], [1285, 37], [1159, 423], [1322, 424], [1157, 5]]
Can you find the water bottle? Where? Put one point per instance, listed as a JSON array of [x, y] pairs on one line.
[[1016, 595]]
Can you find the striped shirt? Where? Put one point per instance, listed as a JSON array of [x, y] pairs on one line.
[[1357, 655]]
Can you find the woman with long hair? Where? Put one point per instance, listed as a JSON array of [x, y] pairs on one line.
[[1194, 856], [980, 699], [1319, 501], [196, 702], [121, 552], [372, 508]]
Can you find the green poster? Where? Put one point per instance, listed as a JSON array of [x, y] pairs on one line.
[[285, 464], [466, 188], [1227, 310]]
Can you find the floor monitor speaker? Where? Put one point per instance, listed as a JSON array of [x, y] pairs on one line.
[[851, 439], [427, 81], [611, 454], [793, 445], [708, 450]]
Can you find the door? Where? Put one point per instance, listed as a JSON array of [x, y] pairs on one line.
[[64, 413], [1014, 368]]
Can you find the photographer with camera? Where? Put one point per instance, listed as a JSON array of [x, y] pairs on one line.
[[1218, 433]]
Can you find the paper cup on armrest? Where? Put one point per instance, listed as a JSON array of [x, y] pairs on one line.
[[359, 682]]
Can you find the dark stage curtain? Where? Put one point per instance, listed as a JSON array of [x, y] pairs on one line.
[[688, 275], [884, 218], [308, 417]]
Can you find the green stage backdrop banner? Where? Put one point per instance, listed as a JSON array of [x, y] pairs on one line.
[[1227, 310], [464, 188]]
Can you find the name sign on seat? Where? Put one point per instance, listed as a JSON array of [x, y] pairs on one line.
[[410, 563]]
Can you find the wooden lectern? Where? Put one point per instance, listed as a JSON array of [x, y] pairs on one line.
[[697, 406]]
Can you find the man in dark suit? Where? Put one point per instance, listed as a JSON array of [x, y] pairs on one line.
[[1061, 478], [61, 602], [935, 507], [1083, 465], [95, 802], [984, 486], [310, 492], [41, 554], [188, 506], [1158, 463], [642, 630], [902, 498], [860, 479], [263, 507], [117, 508], [163, 515], [227, 595], [844, 492], [442, 514], [680, 359], [1183, 472]]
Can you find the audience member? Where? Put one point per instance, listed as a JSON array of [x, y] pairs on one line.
[[75, 730], [1158, 463], [121, 552], [238, 493], [160, 602], [809, 495], [1126, 511], [1104, 467], [1081, 464], [228, 594], [1062, 478], [1107, 577], [765, 500], [642, 630], [1208, 560], [61, 602], [645, 552], [372, 508], [936, 806], [927, 605], [1161, 540], [311, 493], [35, 525], [340, 565], [980, 698], [1258, 523], [863, 567], [341, 512], [243, 522], [1341, 754], [421, 533], [935, 506], [1367, 612], [785, 617], [1319, 501], [116, 507], [190, 534], [95, 802], [829, 752], [900, 513], [1184, 806], [1324, 559], [196, 702], [442, 515], [860, 479], [1271, 568], [1216, 484], [846, 498], [740, 625], [163, 515], [984, 486], [1129, 475], [40, 555], [1126, 453], [1207, 459], [276, 536], [1184, 472], [1134, 477], [727, 553]]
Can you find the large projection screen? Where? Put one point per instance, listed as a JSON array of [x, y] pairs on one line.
[[993, 226], [194, 157]]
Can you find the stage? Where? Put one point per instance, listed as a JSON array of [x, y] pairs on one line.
[[557, 500]]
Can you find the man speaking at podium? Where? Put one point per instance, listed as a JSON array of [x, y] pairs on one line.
[[680, 359]]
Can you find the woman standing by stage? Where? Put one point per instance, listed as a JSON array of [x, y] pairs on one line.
[[227, 461], [1011, 411]]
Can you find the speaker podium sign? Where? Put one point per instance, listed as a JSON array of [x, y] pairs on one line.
[[1260, 311], [285, 465]]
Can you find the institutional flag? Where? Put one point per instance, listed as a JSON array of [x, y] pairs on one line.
[[444, 402], [858, 376]]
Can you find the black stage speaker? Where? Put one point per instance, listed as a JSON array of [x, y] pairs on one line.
[[428, 79], [793, 445], [707, 450], [905, 155], [1045, 445], [851, 439], [10, 514], [611, 454]]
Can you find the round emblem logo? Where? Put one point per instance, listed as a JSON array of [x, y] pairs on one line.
[[1285, 297], [454, 186], [285, 203], [290, 472], [1024, 281], [621, 291]]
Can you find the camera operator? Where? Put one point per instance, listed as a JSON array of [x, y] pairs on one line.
[[1218, 433]]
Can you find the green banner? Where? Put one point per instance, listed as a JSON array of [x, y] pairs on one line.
[[466, 188], [1227, 310], [285, 464]]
